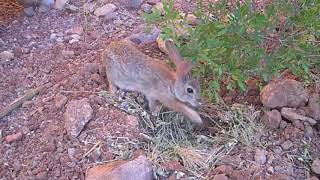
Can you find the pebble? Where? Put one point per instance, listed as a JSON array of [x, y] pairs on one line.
[[6, 55], [286, 145], [315, 166], [260, 156], [14, 137], [105, 10]]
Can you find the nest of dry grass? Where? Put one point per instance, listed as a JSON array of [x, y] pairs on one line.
[[9, 9]]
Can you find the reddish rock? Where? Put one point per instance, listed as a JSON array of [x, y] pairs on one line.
[[279, 176], [284, 93], [314, 107], [139, 168], [223, 169], [286, 145], [315, 166], [77, 115], [260, 156], [233, 161], [132, 121], [292, 115], [240, 174], [14, 137], [220, 177], [272, 119]]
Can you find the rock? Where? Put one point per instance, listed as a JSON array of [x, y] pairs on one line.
[[270, 170], [6, 55], [77, 115], [220, 177], [140, 36], [192, 20], [28, 3], [74, 38], [110, 17], [46, 5], [60, 4], [105, 10], [223, 169], [89, 6], [314, 107], [14, 137], [67, 53], [75, 30], [284, 93], [91, 68], [315, 166], [283, 124], [131, 4], [132, 121], [240, 174], [158, 7], [60, 100], [29, 11], [139, 168], [152, 2], [279, 176], [20, 51], [286, 145], [290, 114], [161, 45], [42, 175], [147, 8], [260, 156], [272, 119]]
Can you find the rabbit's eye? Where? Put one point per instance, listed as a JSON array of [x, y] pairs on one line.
[[189, 90]]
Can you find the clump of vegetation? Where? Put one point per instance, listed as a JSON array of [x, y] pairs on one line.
[[231, 44]]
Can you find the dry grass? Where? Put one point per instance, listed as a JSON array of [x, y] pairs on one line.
[[174, 137]]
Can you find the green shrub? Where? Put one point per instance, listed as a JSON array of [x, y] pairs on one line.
[[240, 42]]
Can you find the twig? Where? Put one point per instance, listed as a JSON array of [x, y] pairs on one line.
[[30, 94]]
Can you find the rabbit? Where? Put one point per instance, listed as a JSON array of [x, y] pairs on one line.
[[129, 69]]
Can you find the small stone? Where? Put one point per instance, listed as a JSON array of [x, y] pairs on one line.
[[283, 124], [141, 36], [131, 4], [67, 53], [290, 114], [42, 176], [147, 8], [110, 17], [139, 168], [192, 20], [89, 6], [14, 137], [75, 30], [233, 161], [60, 4], [270, 170], [161, 45], [77, 115], [152, 2], [26, 104], [91, 68], [6, 55], [284, 93], [260, 156], [272, 119], [74, 38], [159, 7], [314, 107], [105, 10], [223, 169], [132, 121], [315, 166], [60, 100], [29, 11], [286, 145], [220, 177]]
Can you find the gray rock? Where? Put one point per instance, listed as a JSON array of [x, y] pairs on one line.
[[314, 107], [131, 4], [29, 11], [91, 68], [105, 10], [292, 115], [284, 93], [139, 168], [77, 115], [28, 3], [286, 145], [315, 166], [6, 55], [141, 36], [260, 156], [272, 119], [147, 8], [60, 4], [46, 5]]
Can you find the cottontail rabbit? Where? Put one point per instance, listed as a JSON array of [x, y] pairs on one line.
[[129, 69]]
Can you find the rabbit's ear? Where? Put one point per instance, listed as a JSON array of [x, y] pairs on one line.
[[173, 52], [184, 69]]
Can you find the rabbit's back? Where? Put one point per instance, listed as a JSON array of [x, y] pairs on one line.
[[130, 69]]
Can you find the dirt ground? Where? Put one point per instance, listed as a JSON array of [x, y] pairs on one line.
[[45, 52]]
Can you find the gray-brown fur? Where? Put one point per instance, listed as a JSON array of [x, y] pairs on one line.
[[129, 69]]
